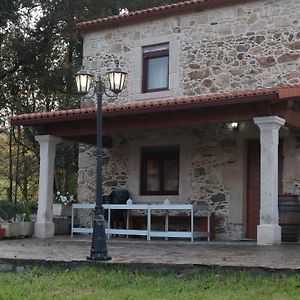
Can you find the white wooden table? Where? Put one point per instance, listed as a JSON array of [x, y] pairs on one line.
[[148, 208]]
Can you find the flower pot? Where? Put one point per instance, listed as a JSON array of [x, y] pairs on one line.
[[12, 229], [18, 229], [27, 228], [2, 233], [62, 210]]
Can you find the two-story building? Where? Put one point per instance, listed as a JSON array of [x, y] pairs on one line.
[[209, 113]]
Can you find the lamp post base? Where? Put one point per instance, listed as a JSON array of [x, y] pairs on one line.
[[98, 256], [99, 248]]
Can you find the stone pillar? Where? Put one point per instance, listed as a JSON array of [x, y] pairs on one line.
[[44, 227], [269, 231]]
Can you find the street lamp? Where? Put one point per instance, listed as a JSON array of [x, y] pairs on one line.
[[84, 80]]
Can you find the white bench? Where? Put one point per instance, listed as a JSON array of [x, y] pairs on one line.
[[149, 208]]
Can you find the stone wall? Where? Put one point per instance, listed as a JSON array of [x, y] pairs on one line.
[[243, 46], [216, 177], [114, 175], [213, 164], [207, 154], [235, 47]]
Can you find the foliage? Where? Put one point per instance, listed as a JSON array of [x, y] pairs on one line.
[[39, 54], [66, 167], [39, 58], [22, 210], [64, 199], [27, 169], [26, 209], [101, 283], [7, 210]]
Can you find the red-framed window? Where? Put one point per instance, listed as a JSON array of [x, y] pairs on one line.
[[160, 170], [155, 68]]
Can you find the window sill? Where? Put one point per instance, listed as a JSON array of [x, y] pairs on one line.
[[154, 95], [155, 90], [159, 194]]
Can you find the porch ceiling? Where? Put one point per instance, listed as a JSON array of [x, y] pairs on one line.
[[80, 124]]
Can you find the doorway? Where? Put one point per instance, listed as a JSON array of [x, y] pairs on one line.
[[253, 185]]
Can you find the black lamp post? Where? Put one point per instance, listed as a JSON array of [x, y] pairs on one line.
[[116, 79]]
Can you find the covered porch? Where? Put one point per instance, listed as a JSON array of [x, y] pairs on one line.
[[191, 123]]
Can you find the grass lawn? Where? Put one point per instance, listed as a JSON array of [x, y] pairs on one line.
[[100, 283]]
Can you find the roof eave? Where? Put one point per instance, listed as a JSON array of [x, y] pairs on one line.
[[150, 14], [225, 101]]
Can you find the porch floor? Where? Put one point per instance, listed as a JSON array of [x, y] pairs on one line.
[[168, 253]]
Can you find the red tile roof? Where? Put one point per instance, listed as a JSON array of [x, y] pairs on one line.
[[153, 106], [151, 13]]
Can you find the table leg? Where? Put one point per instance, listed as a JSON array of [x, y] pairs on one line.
[[72, 221], [208, 226], [127, 222], [108, 225], [166, 223], [149, 224], [192, 225]]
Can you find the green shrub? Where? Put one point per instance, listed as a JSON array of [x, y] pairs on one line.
[[25, 209], [7, 210]]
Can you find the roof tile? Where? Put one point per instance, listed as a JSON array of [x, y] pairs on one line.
[[280, 92], [158, 11]]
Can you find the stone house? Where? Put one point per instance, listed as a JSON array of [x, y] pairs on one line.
[[195, 69]]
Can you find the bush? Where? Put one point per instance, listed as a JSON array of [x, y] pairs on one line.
[[25, 209], [7, 210]]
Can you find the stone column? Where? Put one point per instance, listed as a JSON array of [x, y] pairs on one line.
[[44, 227], [269, 231]]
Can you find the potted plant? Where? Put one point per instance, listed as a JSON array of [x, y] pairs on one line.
[[62, 205], [25, 210], [7, 214], [15, 219], [2, 233]]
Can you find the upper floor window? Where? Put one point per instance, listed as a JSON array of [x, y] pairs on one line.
[[160, 170], [155, 68]]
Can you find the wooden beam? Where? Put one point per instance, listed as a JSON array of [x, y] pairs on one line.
[[156, 120], [182, 119], [67, 129], [91, 140], [292, 118]]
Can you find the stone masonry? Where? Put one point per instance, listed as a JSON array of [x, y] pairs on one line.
[[236, 47], [207, 153], [243, 46]]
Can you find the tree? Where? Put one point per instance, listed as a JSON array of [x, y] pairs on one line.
[[39, 55]]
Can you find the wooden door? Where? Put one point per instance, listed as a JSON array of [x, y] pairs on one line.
[[253, 185], [253, 188]]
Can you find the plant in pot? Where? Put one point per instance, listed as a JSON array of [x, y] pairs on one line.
[[25, 209], [2, 232], [15, 219], [7, 214], [62, 205]]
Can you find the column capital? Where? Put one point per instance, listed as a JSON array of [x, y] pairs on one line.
[[269, 122], [48, 139]]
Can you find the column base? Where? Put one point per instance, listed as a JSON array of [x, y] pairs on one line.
[[268, 234], [44, 230]]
